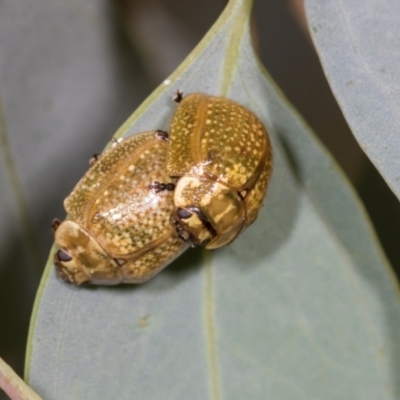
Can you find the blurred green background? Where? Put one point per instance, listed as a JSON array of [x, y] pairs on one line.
[[72, 71]]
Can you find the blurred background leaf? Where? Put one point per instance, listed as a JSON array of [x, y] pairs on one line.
[[358, 44], [69, 77], [302, 304]]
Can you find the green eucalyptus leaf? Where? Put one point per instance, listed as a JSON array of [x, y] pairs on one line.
[[358, 45], [302, 305]]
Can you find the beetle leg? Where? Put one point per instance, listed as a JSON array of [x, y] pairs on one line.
[[160, 187], [157, 186], [55, 224], [93, 159], [178, 96], [188, 237], [184, 235], [162, 135]]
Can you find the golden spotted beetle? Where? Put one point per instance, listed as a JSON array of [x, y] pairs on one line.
[[147, 198], [119, 227], [222, 157]]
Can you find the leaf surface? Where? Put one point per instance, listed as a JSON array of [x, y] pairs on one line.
[[302, 305]]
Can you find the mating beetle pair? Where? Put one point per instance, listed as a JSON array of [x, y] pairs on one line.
[[148, 198]]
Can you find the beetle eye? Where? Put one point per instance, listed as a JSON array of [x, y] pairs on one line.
[[183, 214], [63, 256]]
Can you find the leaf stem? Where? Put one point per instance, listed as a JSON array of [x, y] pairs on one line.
[[13, 385]]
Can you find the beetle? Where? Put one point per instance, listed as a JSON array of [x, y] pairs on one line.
[[221, 156], [119, 227]]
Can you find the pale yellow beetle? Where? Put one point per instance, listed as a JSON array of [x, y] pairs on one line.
[[119, 227], [222, 157]]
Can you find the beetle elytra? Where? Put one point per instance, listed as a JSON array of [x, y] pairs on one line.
[[119, 227]]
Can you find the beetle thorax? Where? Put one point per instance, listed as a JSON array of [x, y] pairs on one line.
[[208, 212], [86, 258]]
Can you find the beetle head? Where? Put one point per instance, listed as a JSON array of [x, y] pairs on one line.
[[208, 212], [80, 258]]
